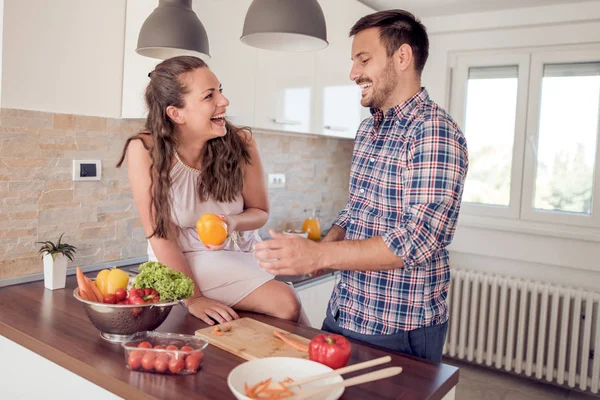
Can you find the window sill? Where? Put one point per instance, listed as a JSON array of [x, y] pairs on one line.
[[529, 227]]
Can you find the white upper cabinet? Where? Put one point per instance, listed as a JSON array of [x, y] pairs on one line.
[[304, 92], [233, 62], [337, 99], [311, 92], [135, 67], [285, 86]]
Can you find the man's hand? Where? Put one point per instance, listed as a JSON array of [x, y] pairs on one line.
[[204, 308], [289, 255]]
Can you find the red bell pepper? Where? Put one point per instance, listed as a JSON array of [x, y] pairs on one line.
[[330, 349]]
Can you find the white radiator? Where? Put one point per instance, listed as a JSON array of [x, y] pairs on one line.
[[539, 330]]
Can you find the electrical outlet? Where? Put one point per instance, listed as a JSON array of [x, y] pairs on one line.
[[276, 181]]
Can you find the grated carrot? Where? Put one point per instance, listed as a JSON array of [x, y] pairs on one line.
[[291, 342], [262, 391]]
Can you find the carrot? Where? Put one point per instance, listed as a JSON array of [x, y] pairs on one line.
[[83, 294], [293, 343], [284, 388], [95, 290], [263, 386], [84, 287], [80, 278], [217, 331], [262, 391]]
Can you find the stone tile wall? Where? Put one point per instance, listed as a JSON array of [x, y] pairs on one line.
[[39, 200]]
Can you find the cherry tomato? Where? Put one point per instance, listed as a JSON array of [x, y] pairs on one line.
[[109, 299], [138, 353], [161, 363], [187, 349], [193, 361], [135, 359], [172, 347], [145, 345], [148, 361], [159, 347], [176, 365], [121, 294], [147, 291]]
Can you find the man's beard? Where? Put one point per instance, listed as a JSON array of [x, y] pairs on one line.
[[389, 81]]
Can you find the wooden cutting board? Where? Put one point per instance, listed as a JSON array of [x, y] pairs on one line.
[[250, 339]]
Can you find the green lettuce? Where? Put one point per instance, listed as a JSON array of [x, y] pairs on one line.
[[169, 284]]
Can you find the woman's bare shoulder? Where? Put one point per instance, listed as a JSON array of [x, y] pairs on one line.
[[140, 146]]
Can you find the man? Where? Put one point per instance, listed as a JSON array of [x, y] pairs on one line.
[[408, 171]]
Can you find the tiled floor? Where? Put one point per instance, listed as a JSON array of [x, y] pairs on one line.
[[477, 383]]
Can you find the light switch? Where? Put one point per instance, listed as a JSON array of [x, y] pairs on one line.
[[276, 181], [87, 170]]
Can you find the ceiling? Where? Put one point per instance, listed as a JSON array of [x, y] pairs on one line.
[[430, 8]]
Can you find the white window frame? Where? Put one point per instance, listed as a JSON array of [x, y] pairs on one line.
[[538, 60], [458, 101], [520, 216]]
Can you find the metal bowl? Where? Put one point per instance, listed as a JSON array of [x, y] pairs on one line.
[[116, 322]]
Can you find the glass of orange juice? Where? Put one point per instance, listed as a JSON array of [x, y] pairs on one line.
[[312, 227]]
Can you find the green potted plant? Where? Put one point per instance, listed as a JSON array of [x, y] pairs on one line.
[[55, 262]]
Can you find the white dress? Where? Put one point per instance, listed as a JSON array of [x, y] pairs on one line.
[[228, 275]]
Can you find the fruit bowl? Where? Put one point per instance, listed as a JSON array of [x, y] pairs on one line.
[[116, 322]]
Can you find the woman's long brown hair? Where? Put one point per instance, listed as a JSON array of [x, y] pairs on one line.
[[223, 158]]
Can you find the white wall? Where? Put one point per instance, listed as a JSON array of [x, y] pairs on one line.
[[536, 251], [63, 56]]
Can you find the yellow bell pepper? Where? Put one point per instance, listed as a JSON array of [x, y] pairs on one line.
[[108, 281]]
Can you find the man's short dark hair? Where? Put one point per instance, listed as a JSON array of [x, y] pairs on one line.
[[398, 27]]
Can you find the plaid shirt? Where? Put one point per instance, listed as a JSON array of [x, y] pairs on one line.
[[406, 182]]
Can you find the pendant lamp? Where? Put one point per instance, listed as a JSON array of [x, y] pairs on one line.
[[285, 25], [173, 29]]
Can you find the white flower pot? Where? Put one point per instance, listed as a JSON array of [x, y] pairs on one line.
[[55, 271]]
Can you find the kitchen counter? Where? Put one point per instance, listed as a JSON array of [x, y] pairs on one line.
[[53, 325]]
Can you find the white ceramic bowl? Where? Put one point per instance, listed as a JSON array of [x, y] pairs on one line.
[[296, 233], [279, 368]]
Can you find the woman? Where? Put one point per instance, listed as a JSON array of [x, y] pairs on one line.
[[191, 161]]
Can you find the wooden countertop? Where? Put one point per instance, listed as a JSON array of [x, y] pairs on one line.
[[54, 325]]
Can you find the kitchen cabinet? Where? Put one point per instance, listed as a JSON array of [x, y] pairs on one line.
[[48, 385], [233, 62], [285, 91], [315, 298], [135, 66], [302, 92], [311, 92], [337, 99]]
